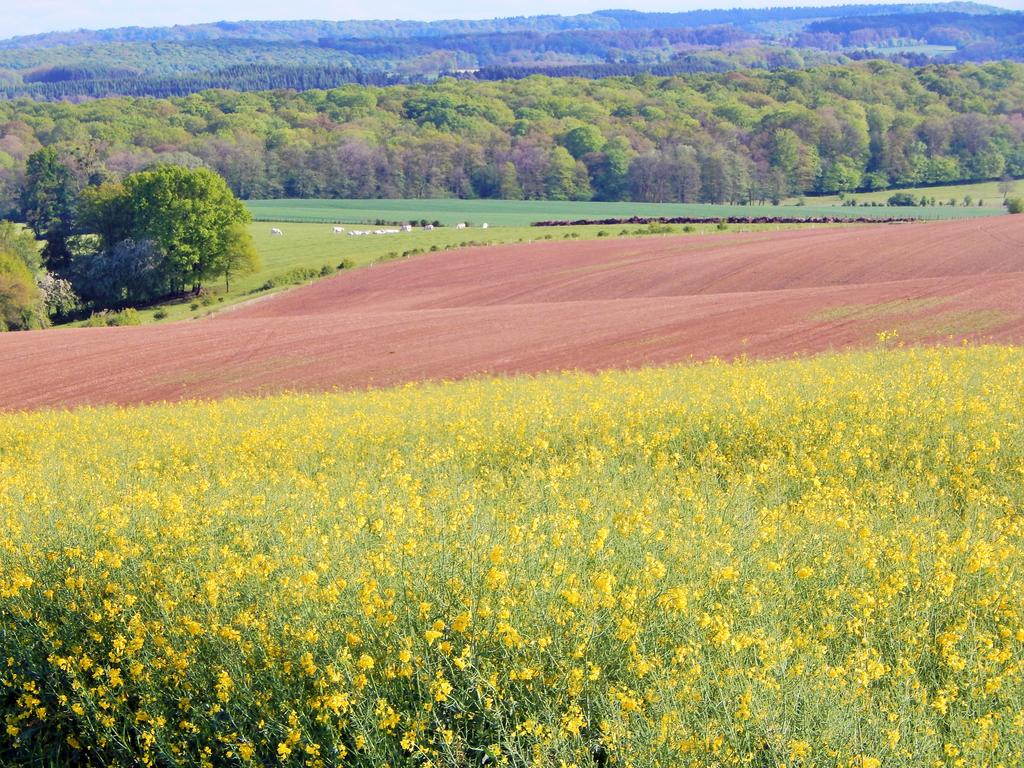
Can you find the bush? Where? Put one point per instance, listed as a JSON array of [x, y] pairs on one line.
[[902, 199], [160, 314], [294, 277], [58, 296], [299, 275], [105, 318], [325, 270], [346, 264], [1015, 204], [129, 316]]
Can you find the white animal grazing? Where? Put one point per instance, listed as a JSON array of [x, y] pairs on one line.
[[276, 231], [407, 227], [460, 226], [485, 225], [429, 228], [338, 230]]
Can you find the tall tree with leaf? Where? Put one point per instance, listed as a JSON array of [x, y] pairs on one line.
[[191, 216], [19, 297], [238, 256], [48, 206]]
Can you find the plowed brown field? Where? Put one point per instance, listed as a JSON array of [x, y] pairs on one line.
[[550, 306]]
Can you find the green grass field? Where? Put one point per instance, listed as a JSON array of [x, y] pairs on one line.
[[521, 213], [985, 192], [307, 251]]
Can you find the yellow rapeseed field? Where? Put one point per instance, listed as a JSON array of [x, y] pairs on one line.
[[812, 563]]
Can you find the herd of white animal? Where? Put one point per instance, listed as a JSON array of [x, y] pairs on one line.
[[361, 232]]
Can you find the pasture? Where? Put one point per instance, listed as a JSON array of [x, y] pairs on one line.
[[987, 193], [520, 213]]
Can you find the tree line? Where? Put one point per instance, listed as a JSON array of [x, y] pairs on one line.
[[312, 30], [68, 83], [716, 138], [116, 244], [300, 55]]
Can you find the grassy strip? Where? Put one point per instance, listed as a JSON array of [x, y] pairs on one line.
[[518, 213]]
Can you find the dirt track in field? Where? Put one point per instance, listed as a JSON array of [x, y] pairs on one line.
[[551, 306]]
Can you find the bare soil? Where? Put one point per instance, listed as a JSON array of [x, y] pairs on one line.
[[552, 306]]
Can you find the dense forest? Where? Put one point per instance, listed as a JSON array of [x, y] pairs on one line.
[[69, 83], [312, 31], [974, 36], [738, 136], [303, 55]]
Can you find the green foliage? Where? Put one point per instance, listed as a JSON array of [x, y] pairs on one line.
[[583, 140], [97, 320], [902, 199], [509, 188], [192, 218], [566, 178], [106, 210], [47, 204], [157, 233], [714, 138], [1015, 204], [19, 242], [841, 175], [19, 297], [105, 318], [237, 254], [127, 316]]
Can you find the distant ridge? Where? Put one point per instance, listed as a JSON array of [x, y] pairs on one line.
[[615, 19], [322, 55]]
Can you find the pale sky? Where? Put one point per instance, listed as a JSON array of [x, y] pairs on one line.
[[24, 17]]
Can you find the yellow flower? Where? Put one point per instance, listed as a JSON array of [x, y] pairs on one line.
[[798, 749]]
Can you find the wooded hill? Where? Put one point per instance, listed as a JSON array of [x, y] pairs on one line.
[[257, 55], [738, 136]]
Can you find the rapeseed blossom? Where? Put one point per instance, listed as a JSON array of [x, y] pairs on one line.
[[802, 563]]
